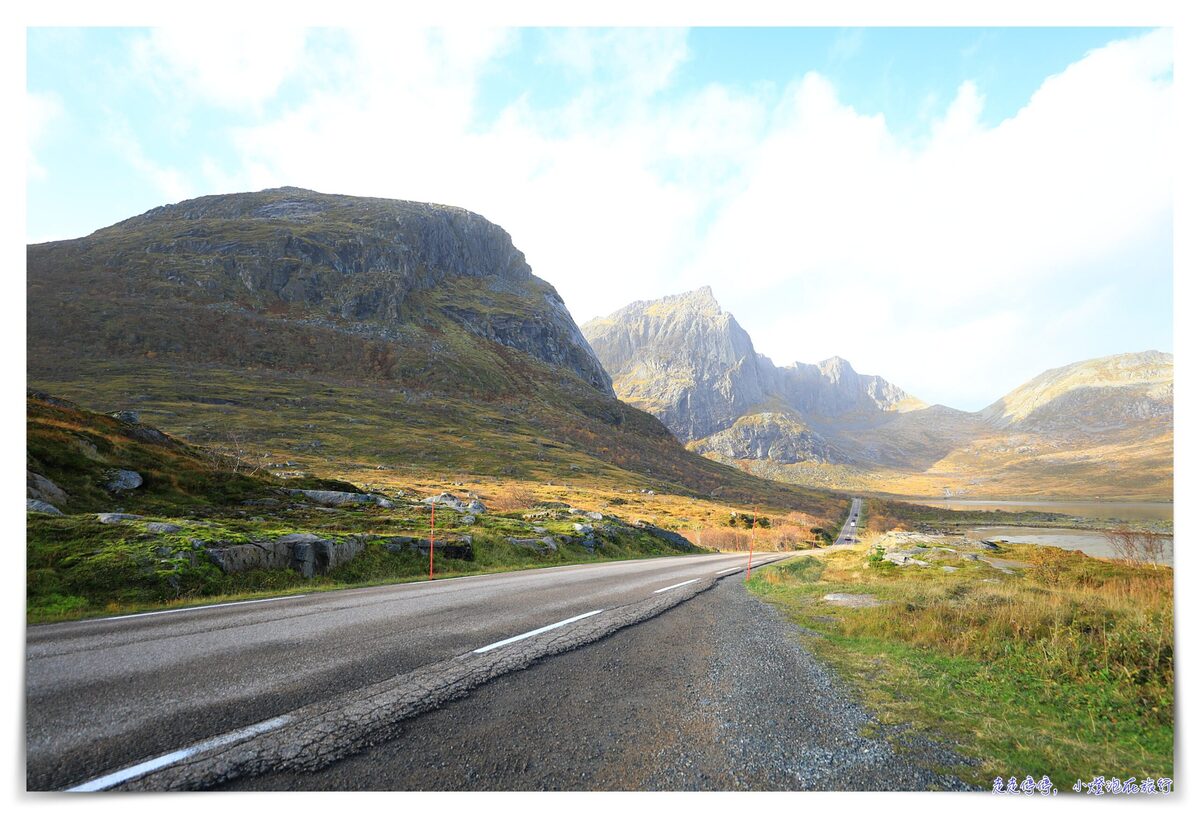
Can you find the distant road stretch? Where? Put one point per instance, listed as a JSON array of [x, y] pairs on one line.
[[850, 527]]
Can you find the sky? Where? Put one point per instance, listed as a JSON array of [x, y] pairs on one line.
[[955, 209]]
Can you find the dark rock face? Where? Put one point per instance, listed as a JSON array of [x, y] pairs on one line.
[[347, 263]]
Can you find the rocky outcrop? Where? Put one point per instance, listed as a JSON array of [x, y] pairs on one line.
[[307, 554]]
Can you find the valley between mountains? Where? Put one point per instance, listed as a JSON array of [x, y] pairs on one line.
[[1096, 428]]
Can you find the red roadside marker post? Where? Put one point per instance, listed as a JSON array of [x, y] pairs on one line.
[[432, 511], [753, 524]]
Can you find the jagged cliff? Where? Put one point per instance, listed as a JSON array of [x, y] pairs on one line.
[[691, 364]]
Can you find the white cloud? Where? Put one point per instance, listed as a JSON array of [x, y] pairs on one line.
[[825, 231], [42, 112], [171, 182], [226, 65]]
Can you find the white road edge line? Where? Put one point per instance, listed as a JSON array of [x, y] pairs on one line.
[[112, 779], [677, 585], [193, 608], [519, 637]]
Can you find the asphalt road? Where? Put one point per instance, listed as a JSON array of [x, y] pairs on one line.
[[716, 693], [102, 695], [849, 528]]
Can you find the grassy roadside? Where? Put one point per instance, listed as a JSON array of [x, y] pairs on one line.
[[78, 567], [1061, 668]]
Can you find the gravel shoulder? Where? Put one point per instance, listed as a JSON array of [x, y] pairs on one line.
[[717, 693]]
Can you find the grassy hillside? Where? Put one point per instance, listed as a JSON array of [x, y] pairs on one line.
[[195, 497]]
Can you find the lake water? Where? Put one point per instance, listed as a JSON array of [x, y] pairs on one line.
[[1092, 543], [1098, 510]]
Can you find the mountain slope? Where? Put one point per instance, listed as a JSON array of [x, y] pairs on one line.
[[349, 335], [1100, 427]]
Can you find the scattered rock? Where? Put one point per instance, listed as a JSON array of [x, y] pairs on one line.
[[949, 568], [119, 480], [583, 528], [469, 519], [41, 507], [476, 507], [852, 600], [44, 489], [111, 517], [127, 416], [163, 528]]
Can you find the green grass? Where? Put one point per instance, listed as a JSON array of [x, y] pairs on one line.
[[1063, 669]]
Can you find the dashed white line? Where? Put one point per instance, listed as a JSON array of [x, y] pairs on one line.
[[112, 779], [528, 634], [194, 608], [677, 585]]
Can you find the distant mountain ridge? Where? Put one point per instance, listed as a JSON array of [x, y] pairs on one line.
[[1080, 430]]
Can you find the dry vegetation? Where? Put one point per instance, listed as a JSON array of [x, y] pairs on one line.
[[1065, 667]]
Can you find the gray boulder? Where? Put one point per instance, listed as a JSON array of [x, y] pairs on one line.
[[127, 416], [163, 528], [119, 480], [469, 519], [44, 489], [111, 517], [343, 498], [584, 529], [447, 500], [476, 507], [544, 546], [41, 507]]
